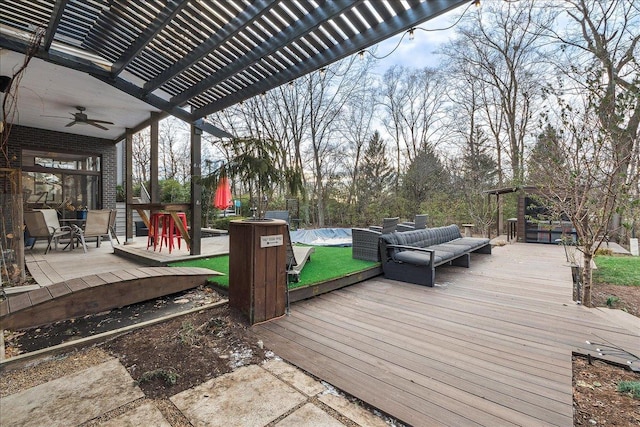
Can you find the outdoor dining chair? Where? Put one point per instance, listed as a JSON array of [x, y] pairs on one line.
[[283, 215], [97, 225], [44, 224], [112, 224], [388, 225], [419, 223]]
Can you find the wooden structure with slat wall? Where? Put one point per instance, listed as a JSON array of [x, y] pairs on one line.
[[257, 273]]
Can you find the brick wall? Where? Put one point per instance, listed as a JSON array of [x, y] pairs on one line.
[[40, 139]]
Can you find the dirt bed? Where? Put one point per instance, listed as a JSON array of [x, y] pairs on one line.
[[596, 402]]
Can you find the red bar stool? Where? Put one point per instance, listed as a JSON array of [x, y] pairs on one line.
[[174, 230], [155, 223], [166, 235]]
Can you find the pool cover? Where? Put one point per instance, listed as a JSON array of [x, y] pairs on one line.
[[323, 237]]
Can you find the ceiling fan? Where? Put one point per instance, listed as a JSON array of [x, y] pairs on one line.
[[80, 118]]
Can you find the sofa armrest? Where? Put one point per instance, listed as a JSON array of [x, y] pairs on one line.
[[411, 248], [431, 252]]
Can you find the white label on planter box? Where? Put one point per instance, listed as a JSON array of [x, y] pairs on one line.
[[269, 241]]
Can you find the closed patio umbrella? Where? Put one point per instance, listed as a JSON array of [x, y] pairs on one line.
[[222, 199]]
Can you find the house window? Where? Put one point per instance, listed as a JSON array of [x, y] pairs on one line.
[[64, 181]]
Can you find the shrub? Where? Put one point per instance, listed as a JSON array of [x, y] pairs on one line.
[[169, 376], [604, 251], [631, 387], [223, 223]]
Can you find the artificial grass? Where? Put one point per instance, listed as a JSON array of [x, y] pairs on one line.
[[326, 263], [617, 270]]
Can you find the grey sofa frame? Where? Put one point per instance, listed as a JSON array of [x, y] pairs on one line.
[[364, 244], [412, 256]]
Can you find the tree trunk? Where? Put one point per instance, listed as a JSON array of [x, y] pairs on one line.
[[587, 279]]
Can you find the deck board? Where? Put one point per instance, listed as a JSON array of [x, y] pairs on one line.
[[92, 294], [489, 345], [448, 372]]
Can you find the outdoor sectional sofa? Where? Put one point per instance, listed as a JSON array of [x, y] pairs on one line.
[[412, 256]]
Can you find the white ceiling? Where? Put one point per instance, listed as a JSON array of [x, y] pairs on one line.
[[50, 90]]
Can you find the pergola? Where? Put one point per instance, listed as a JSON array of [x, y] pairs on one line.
[[186, 58]]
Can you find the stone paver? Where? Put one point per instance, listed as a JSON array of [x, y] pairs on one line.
[[249, 396], [144, 415], [71, 400], [294, 376], [309, 416], [355, 413]]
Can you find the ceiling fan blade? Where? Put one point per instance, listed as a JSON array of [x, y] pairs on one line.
[[93, 123], [55, 117], [70, 124], [100, 121]]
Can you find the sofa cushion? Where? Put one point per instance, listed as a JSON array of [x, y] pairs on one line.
[[471, 242], [421, 258], [456, 250], [425, 237], [428, 238]]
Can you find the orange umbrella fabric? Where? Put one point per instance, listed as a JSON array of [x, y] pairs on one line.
[[222, 199]]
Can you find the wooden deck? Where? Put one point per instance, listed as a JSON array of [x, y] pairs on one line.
[[95, 293], [490, 345]]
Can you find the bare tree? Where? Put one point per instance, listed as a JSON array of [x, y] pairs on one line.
[[141, 154], [601, 56], [501, 45], [356, 130], [581, 180], [174, 152], [413, 110], [11, 198], [328, 92], [598, 55]]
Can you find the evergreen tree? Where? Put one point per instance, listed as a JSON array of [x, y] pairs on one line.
[[376, 176], [546, 154], [480, 169], [425, 177]]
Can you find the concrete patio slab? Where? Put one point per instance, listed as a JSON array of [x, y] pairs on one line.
[[249, 396], [294, 376], [309, 416], [355, 413], [146, 414], [71, 400]]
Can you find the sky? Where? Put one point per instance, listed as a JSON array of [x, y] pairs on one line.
[[419, 52]]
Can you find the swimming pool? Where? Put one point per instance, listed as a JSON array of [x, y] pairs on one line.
[[322, 236]]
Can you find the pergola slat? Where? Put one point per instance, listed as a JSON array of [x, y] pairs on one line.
[[206, 55]]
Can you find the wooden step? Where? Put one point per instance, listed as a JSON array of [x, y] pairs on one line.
[[97, 292]]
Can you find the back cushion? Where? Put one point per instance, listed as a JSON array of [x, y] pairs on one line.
[[423, 238]]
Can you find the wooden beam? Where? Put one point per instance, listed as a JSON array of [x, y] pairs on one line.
[[196, 190], [128, 176], [154, 188]]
